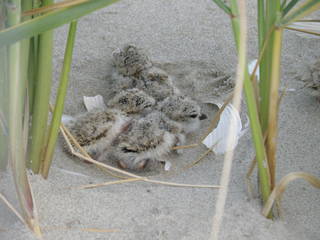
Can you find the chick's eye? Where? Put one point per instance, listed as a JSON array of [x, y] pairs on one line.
[[194, 115], [127, 150]]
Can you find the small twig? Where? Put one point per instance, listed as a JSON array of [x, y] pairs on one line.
[[52, 7], [99, 230], [88, 186], [248, 176], [201, 156], [66, 228], [185, 146], [180, 184], [303, 31], [10, 206], [67, 135]]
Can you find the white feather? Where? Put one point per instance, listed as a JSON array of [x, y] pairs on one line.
[[95, 102], [66, 119], [167, 165], [217, 139]]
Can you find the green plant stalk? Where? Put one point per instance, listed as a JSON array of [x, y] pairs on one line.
[[27, 63], [273, 12], [254, 120], [288, 7], [223, 6], [303, 31], [298, 13], [261, 27], [32, 72], [3, 94], [58, 110], [25, 46], [16, 112], [41, 98], [283, 5], [263, 170], [273, 106], [50, 21], [265, 66], [33, 63]]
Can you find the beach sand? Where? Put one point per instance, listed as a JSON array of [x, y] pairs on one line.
[[185, 37]]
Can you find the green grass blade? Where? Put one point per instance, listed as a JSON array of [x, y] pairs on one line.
[[273, 105], [17, 142], [50, 21], [25, 46], [261, 20], [273, 8], [31, 74], [262, 29], [223, 6], [3, 96], [290, 5], [56, 119], [254, 122], [52, 7], [257, 138], [283, 4], [272, 11], [41, 98], [303, 31], [299, 12]]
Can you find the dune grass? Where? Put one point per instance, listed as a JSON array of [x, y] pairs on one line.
[[3, 96], [26, 41], [26, 77], [273, 17]]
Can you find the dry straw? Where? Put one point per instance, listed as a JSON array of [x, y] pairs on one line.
[[224, 181]]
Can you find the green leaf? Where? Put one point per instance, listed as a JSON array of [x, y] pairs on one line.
[[298, 13], [50, 21], [57, 114], [289, 6], [223, 6]]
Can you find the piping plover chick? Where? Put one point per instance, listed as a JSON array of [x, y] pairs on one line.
[[95, 130], [312, 79], [130, 61], [170, 126], [119, 82], [157, 83], [132, 101], [184, 111], [143, 141]]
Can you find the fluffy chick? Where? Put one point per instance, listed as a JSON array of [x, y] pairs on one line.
[[95, 130], [312, 79], [183, 111], [130, 61], [157, 83], [143, 141], [119, 82], [132, 101]]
